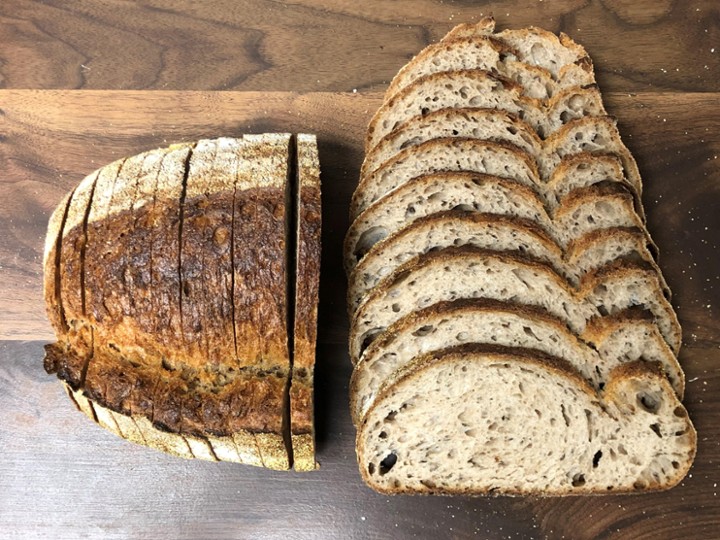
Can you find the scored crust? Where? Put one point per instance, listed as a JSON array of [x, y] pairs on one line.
[[135, 360]]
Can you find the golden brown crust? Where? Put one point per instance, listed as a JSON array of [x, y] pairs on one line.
[[146, 275]]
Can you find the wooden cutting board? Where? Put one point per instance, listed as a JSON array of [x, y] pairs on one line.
[[61, 476]]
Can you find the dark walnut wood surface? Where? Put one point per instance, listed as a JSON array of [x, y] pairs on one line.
[[86, 82]]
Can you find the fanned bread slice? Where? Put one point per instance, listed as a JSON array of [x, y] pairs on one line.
[[568, 105], [535, 46], [445, 229], [592, 135], [307, 283], [602, 246], [479, 52], [464, 272], [478, 419], [485, 124], [443, 155], [448, 324], [632, 334], [507, 54], [471, 52], [584, 170], [438, 192], [625, 284], [468, 88], [600, 206]]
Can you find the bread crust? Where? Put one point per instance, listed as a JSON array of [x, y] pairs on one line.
[[151, 353], [307, 285]]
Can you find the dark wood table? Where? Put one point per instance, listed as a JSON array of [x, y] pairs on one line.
[[85, 82]]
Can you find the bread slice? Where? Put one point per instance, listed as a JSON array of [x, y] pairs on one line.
[[445, 229], [600, 206], [632, 334], [444, 155], [478, 52], [509, 53], [624, 284], [584, 170], [307, 283], [544, 43], [570, 104], [51, 263], [478, 419], [592, 135], [435, 192], [466, 88], [602, 246], [485, 124], [464, 272], [448, 324]]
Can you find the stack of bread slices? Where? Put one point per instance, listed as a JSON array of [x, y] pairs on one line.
[[510, 328]]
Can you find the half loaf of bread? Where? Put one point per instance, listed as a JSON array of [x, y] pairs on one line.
[[171, 279]]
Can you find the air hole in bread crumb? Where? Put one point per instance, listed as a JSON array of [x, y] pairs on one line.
[[596, 458], [649, 402], [383, 435], [656, 428], [396, 308], [639, 484], [423, 330], [675, 464], [578, 480], [371, 468], [391, 416], [388, 463], [462, 336], [679, 412]]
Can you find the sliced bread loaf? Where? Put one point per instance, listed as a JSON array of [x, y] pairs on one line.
[[477, 419], [445, 229], [443, 155], [431, 193]]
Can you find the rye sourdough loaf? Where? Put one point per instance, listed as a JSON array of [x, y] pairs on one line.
[[511, 330], [166, 280]]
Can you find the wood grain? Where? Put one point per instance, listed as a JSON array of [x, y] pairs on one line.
[[51, 139], [319, 45], [75, 81]]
